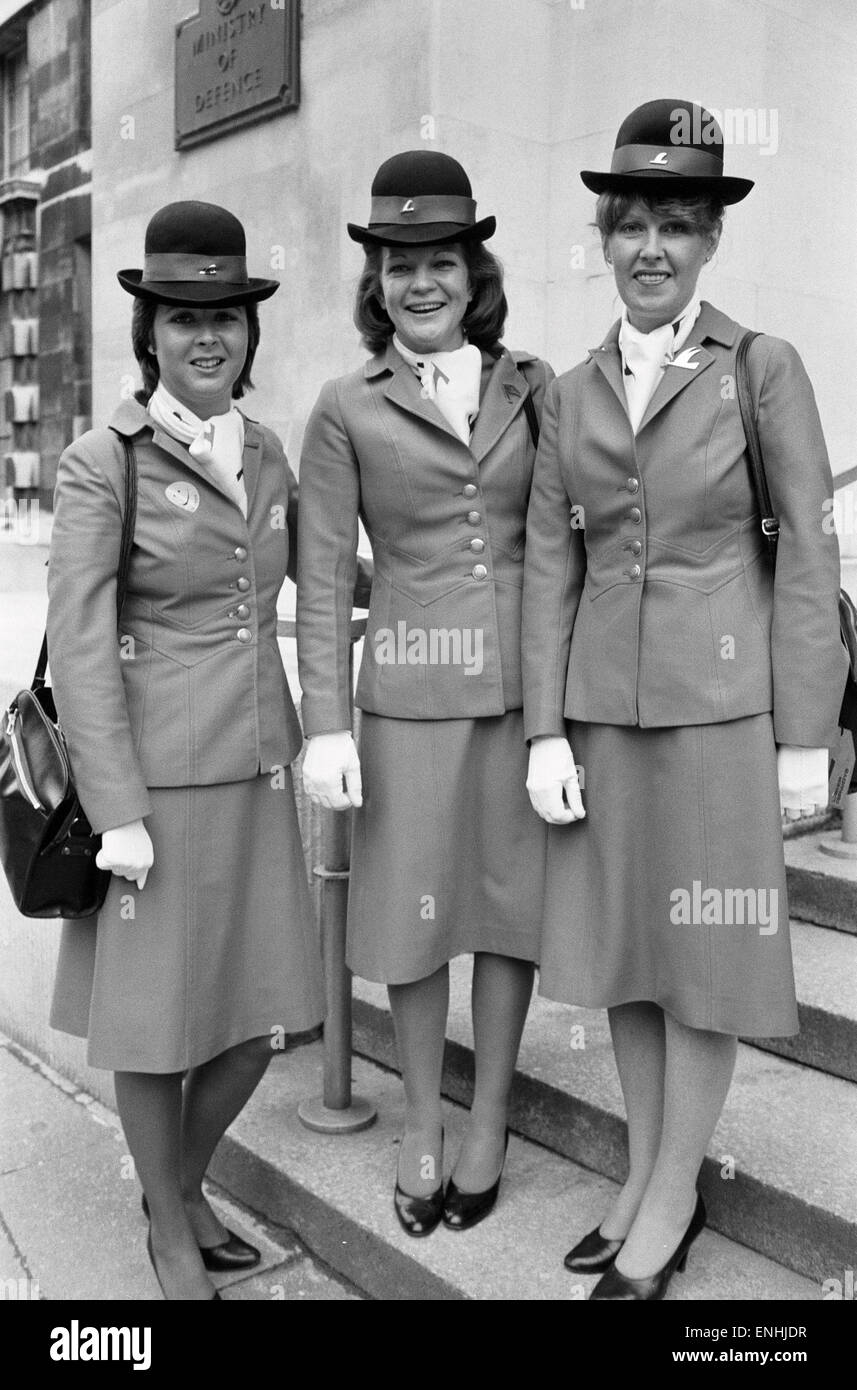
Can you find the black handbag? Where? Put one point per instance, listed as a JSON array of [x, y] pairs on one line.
[[771, 531], [47, 845]]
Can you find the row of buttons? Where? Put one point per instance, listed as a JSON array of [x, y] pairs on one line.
[[477, 545], [635, 515], [243, 634]]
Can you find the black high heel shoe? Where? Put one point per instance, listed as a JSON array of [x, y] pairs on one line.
[[419, 1216], [232, 1253], [150, 1252], [461, 1210], [617, 1287], [593, 1254]]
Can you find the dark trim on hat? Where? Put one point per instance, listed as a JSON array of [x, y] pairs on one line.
[[211, 292], [422, 233]]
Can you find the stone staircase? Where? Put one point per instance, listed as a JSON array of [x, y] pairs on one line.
[[780, 1179]]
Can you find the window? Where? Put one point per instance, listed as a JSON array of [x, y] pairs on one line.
[[16, 115]]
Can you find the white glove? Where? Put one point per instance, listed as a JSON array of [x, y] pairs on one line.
[[552, 771], [330, 759], [127, 851], [802, 775]]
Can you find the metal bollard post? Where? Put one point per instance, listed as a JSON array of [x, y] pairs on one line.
[[337, 1110], [844, 846]]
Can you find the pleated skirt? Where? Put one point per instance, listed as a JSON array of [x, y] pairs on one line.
[[673, 888], [219, 947], [447, 855]]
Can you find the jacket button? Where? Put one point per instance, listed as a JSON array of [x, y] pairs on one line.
[[244, 634], [632, 484], [474, 518], [635, 571], [479, 572], [243, 584], [634, 515], [242, 612], [635, 547], [477, 545], [240, 552], [470, 490]]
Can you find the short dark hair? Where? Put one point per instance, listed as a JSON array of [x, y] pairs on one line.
[[706, 214], [486, 313], [142, 325]]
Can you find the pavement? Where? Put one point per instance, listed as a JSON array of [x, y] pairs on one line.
[[70, 1221]]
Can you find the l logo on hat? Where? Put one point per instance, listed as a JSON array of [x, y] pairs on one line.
[[408, 205], [659, 158], [183, 495]]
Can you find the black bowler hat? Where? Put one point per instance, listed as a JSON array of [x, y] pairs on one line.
[[422, 197], [195, 253], [669, 149]]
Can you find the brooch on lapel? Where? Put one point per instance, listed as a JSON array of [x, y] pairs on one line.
[[183, 495], [683, 359]]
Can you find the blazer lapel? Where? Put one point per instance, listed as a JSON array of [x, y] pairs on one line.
[[677, 378], [608, 360], [404, 390], [252, 459], [179, 451], [504, 397]]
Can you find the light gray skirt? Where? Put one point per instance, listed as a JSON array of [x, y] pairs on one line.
[[447, 855], [673, 889], [219, 947]]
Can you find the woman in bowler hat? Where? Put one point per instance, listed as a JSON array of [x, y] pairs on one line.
[[204, 957], [431, 445], [698, 689]]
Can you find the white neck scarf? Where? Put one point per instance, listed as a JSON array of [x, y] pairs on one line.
[[218, 442], [645, 355], [451, 380]]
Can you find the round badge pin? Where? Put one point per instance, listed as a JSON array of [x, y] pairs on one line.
[[183, 495]]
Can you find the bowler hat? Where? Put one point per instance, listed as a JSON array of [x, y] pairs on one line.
[[669, 149], [421, 197], [195, 253]]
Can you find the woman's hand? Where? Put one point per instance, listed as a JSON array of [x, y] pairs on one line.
[[552, 771], [802, 775], [329, 760], [127, 851]]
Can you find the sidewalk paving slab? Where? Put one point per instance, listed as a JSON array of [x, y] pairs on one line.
[[70, 1218]]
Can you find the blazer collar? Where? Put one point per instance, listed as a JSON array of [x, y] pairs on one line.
[[503, 397], [711, 326], [131, 418]]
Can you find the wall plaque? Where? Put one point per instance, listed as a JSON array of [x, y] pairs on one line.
[[237, 62]]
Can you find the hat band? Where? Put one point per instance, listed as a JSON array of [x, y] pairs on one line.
[[669, 159], [176, 266], [431, 207]]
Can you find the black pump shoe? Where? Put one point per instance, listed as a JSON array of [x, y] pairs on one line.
[[593, 1254], [150, 1252], [617, 1287], [232, 1253], [419, 1216], [461, 1210]]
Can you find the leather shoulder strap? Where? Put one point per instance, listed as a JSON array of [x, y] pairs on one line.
[[129, 521], [770, 524]]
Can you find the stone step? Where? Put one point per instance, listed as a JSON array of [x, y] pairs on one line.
[[826, 973], [785, 1144], [335, 1192], [822, 888]]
